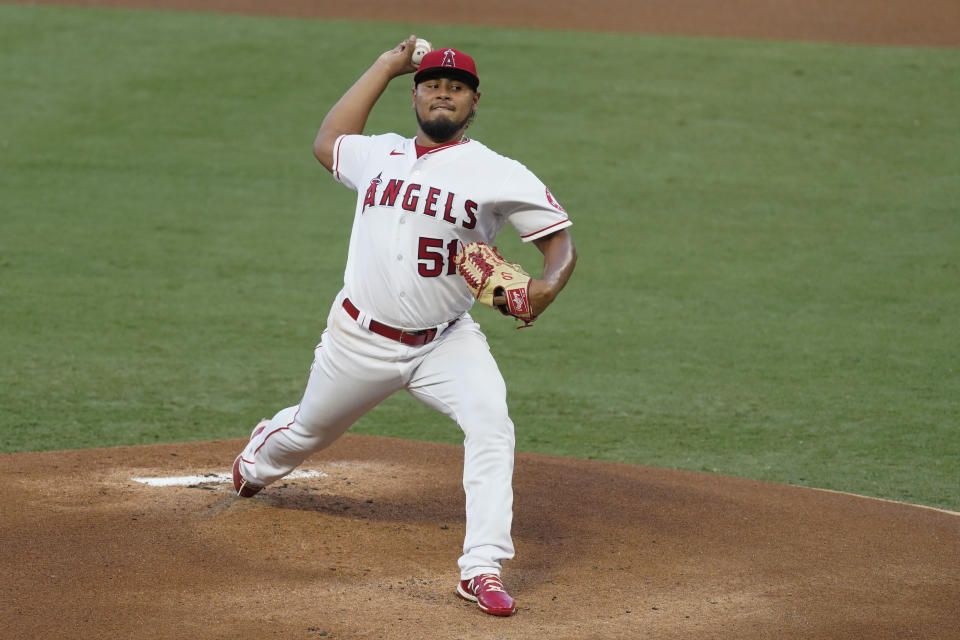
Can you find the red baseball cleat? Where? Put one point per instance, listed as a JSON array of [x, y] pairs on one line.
[[488, 592], [244, 489]]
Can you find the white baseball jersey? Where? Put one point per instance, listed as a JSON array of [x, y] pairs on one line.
[[414, 214]]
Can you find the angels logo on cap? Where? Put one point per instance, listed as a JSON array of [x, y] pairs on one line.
[[448, 63]]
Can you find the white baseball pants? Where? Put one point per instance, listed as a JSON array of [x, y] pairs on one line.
[[354, 370]]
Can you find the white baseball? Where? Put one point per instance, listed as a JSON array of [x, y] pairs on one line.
[[420, 49]]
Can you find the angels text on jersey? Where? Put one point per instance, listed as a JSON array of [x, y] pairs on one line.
[[413, 197]]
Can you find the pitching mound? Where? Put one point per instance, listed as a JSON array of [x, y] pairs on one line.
[[366, 547]]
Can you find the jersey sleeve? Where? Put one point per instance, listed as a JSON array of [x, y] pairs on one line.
[[350, 153], [530, 207]]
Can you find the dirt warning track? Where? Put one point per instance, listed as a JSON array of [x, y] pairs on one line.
[[897, 22]]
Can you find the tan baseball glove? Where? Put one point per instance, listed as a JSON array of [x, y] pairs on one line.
[[489, 276]]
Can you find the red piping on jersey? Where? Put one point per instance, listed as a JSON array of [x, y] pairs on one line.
[[421, 150], [257, 450], [545, 228]]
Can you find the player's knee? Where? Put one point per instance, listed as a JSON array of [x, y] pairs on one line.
[[494, 429]]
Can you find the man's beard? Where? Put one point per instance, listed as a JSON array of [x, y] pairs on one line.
[[443, 129]]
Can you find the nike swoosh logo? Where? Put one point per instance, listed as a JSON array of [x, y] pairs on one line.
[[397, 153]]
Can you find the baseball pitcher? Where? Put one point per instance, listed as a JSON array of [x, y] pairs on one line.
[[427, 212]]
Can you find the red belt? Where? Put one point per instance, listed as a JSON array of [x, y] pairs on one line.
[[412, 338]]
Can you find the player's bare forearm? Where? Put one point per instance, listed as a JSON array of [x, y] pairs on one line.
[[349, 114], [559, 260]]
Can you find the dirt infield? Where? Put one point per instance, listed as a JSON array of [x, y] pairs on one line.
[[368, 549]]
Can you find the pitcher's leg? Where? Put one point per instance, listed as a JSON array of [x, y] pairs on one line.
[[336, 396], [488, 485], [461, 379]]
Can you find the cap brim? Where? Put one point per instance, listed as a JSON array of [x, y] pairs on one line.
[[447, 72]]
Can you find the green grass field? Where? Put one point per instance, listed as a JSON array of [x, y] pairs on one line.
[[769, 237]]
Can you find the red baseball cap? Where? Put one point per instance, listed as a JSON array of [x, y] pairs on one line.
[[448, 62]]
